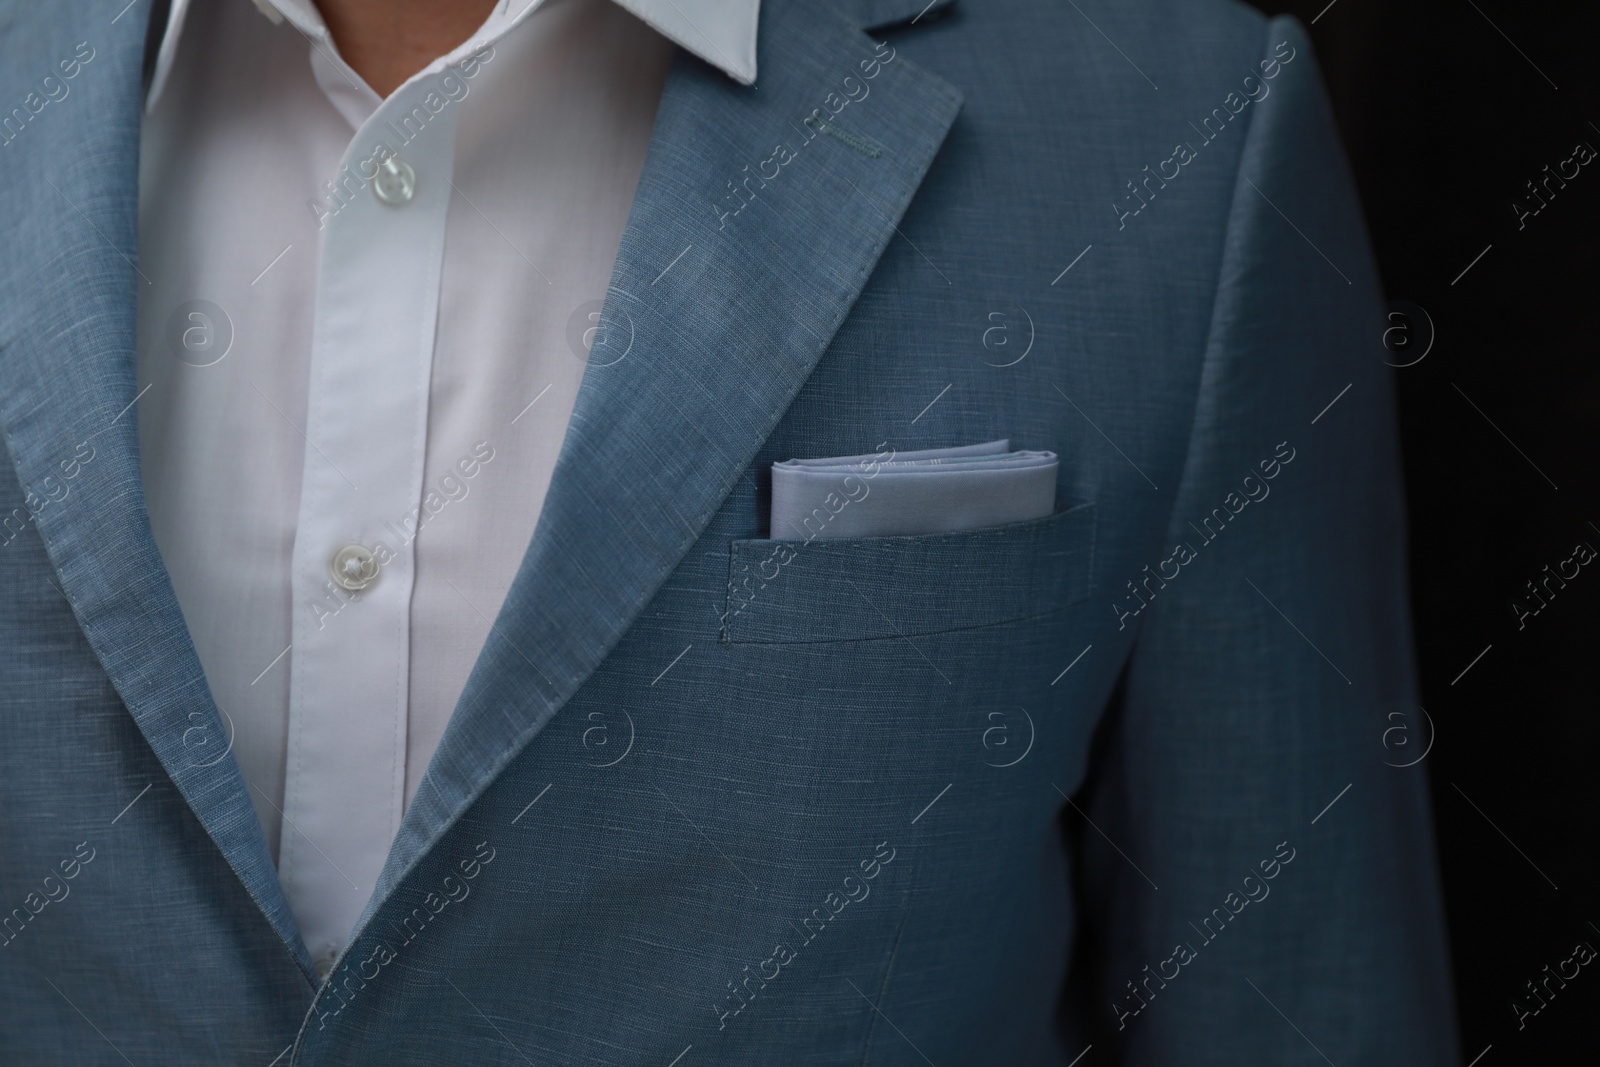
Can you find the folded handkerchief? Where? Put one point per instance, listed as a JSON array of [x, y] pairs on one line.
[[937, 490]]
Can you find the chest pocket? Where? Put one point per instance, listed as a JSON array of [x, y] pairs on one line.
[[874, 588]]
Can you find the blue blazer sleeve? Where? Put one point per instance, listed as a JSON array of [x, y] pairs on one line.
[[1266, 681]]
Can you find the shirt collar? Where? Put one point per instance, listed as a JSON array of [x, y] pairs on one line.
[[721, 32]]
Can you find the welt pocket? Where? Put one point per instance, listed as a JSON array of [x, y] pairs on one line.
[[800, 592]]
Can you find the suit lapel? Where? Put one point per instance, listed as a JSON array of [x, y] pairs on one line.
[[68, 390], [738, 263]]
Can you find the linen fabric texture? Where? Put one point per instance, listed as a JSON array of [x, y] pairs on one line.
[[643, 837]]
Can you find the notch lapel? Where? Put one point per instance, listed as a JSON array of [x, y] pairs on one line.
[[68, 295], [738, 263]]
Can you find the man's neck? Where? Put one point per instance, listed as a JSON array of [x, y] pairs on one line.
[[387, 41]]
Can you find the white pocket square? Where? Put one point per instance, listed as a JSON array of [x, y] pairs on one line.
[[888, 494]]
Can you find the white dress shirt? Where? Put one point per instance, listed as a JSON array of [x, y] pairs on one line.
[[358, 351]]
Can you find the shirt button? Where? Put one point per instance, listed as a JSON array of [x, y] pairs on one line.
[[354, 567], [395, 182], [325, 964]]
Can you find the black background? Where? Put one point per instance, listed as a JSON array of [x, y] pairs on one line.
[[1446, 110]]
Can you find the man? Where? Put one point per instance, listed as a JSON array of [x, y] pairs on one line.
[[402, 659]]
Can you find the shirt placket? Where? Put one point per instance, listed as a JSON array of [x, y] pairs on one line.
[[377, 298]]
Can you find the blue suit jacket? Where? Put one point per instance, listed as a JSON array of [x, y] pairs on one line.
[[1116, 778]]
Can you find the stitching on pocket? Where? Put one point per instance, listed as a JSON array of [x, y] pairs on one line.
[[778, 608]]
